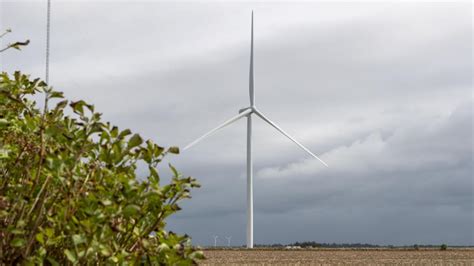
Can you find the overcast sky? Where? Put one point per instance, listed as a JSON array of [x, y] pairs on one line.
[[382, 92]]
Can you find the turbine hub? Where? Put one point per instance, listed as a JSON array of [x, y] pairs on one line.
[[245, 109]]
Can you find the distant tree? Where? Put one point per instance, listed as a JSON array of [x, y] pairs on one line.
[[331, 245], [444, 247]]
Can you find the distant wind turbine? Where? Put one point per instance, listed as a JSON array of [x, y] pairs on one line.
[[228, 240], [215, 241], [248, 112]]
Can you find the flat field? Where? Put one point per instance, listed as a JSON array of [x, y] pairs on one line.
[[339, 257]]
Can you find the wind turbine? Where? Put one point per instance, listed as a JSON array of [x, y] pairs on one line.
[[228, 240], [248, 112]]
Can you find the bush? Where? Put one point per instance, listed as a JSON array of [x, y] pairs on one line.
[[69, 190], [444, 247]]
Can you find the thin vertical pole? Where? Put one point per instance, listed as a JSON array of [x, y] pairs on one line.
[[48, 30], [249, 184]]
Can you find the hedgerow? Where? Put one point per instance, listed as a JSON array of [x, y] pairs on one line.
[[70, 189]]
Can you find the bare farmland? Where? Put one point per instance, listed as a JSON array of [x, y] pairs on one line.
[[339, 257]]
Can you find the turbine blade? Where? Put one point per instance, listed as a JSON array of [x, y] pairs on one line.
[[226, 123], [288, 136], [251, 90]]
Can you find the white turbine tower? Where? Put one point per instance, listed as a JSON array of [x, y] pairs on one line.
[[248, 112]]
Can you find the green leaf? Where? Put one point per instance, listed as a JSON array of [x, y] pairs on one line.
[[198, 255], [81, 253], [49, 232], [96, 127], [134, 141], [17, 231], [130, 210], [21, 223], [56, 94], [154, 174], [78, 107], [114, 132], [78, 239], [145, 243], [18, 242], [17, 75], [17, 45], [42, 251], [175, 172], [61, 105], [40, 238], [174, 150], [3, 122], [52, 261], [105, 251], [106, 202], [71, 256], [158, 150], [124, 133], [3, 155]]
